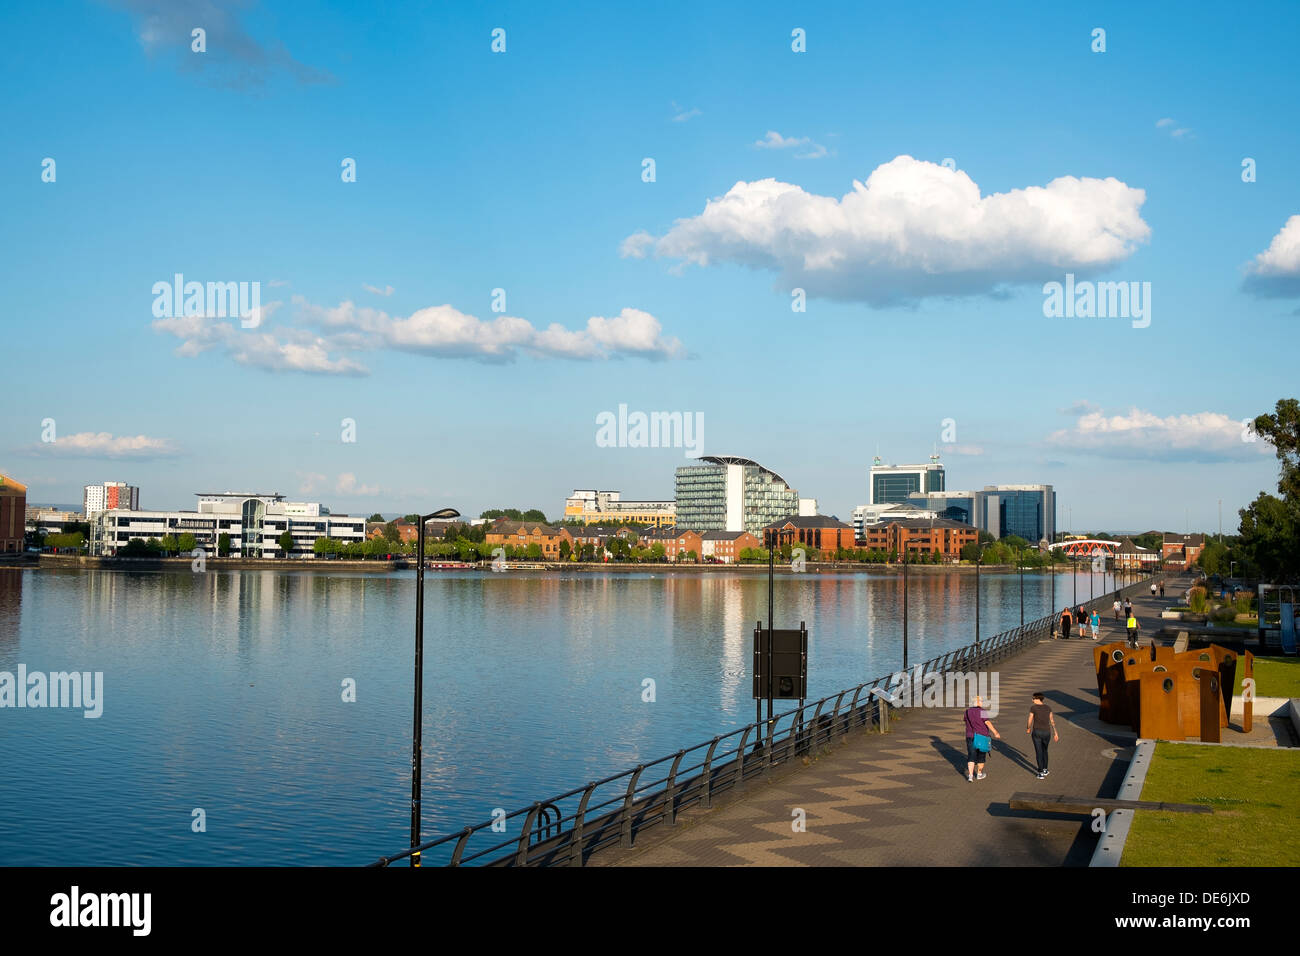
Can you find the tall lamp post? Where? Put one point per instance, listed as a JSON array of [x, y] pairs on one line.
[[419, 679], [979, 557], [1020, 569], [1051, 553]]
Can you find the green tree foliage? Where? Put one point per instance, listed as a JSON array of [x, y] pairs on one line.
[[376, 517], [223, 544], [286, 542], [186, 543], [1270, 526], [168, 544]]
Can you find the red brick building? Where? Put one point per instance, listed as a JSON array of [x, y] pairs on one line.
[[13, 515], [811, 531], [1180, 551], [725, 546], [921, 536], [676, 543], [523, 533]]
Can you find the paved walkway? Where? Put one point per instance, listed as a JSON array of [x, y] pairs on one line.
[[902, 799]]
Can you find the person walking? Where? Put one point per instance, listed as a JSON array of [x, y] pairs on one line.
[[1128, 607], [1133, 628], [1118, 607], [1065, 624], [1042, 730], [1153, 589], [1162, 588], [1096, 624], [978, 731]]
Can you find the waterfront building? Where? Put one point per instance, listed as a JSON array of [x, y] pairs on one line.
[[725, 546], [1025, 510], [51, 520], [593, 507], [891, 484], [864, 515], [677, 542], [726, 493], [823, 532], [1180, 551], [521, 534], [405, 530], [110, 495], [1133, 557], [13, 515], [254, 522], [916, 536]]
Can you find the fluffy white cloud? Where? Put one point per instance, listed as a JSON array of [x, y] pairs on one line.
[[1138, 434], [385, 291], [913, 229], [1276, 271], [326, 338], [106, 445]]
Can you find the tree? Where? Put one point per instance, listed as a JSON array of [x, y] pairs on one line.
[[1282, 431], [565, 550], [186, 543], [286, 542], [168, 543], [376, 517], [411, 519], [534, 514], [223, 544], [657, 551], [1270, 525]]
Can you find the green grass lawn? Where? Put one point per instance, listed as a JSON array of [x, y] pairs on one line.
[[1255, 792], [1274, 677]]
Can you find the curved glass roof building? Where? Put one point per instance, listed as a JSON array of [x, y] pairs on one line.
[[729, 493]]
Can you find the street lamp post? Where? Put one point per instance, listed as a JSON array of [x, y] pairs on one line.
[[1051, 552], [419, 680], [979, 556], [1020, 569]]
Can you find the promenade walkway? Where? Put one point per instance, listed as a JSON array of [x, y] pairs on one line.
[[902, 799]]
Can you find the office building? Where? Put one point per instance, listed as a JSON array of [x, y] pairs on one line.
[[891, 484], [253, 521], [726, 493], [110, 495], [921, 537], [823, 532], [1028, 511]]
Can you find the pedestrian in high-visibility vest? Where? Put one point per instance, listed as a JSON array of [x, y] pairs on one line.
[[1133, 627]]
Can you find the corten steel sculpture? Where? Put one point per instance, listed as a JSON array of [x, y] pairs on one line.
[[1166, 694]]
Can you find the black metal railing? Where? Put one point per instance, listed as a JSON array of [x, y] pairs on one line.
[[565, 830]]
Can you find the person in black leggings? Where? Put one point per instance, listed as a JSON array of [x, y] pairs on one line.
[[1042, 730]]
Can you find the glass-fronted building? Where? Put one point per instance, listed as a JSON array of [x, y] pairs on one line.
[[891, 484], [1025, 510], [725, 493]]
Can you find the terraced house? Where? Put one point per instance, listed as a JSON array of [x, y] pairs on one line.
[[521, 534]]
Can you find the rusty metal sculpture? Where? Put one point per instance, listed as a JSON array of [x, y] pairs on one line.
[[1167, 694]]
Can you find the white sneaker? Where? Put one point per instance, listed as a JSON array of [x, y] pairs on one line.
[[980, 776], [969, 778]]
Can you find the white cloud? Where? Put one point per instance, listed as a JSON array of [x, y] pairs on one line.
[[913, 229], [326, 340], [386, 290], [1081, 407], [1139, 434], [682, 115], [809, 149], [1176, 131], [276, 283], [1276, 271], [106, 445], [309, 481], [347, 484]]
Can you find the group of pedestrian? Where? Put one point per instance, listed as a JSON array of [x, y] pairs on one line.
[[1083, 619], [980, 734]]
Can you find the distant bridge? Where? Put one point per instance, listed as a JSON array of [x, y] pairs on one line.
[[1088, 548]]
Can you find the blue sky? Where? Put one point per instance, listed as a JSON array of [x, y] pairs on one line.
[[523, 171]]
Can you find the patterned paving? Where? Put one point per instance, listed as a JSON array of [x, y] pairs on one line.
[[902, 799]]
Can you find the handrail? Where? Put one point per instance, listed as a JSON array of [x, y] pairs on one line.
[[710, 769]]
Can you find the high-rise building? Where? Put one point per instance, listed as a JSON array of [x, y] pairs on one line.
[[111, 495], [891, 484], [726, 493]]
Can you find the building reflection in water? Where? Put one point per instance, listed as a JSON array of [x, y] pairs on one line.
[[11, 609]]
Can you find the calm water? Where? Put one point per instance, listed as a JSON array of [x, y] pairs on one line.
[[222, 691]]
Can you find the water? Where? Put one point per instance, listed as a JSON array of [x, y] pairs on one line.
[[223, 692]]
